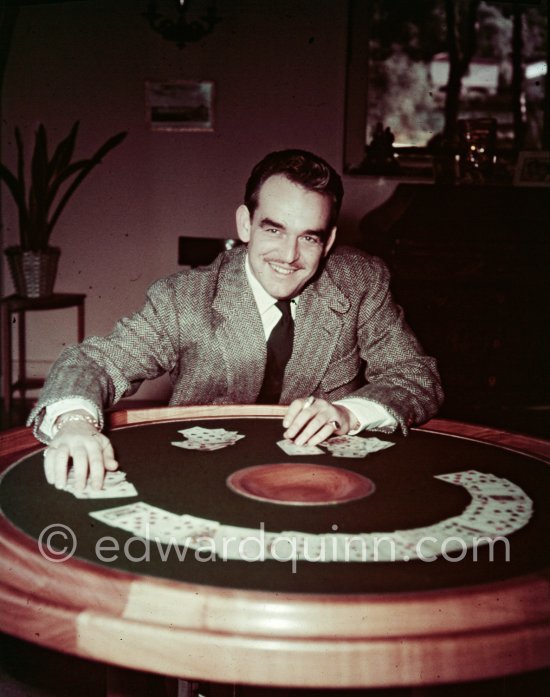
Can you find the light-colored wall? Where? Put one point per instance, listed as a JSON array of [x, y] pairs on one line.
[[279, 70]]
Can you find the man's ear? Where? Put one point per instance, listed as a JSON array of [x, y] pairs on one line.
[[330, 241], [242, 216]]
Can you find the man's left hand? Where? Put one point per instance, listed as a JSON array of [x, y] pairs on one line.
[[311, 421]]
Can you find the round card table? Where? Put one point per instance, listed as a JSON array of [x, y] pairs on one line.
[[269, 622]]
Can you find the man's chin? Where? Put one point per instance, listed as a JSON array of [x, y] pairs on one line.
[[283, 290]]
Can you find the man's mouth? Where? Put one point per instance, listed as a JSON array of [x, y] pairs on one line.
[[281, 269]]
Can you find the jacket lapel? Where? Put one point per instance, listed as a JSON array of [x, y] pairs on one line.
[[239, 332], [319, 319]]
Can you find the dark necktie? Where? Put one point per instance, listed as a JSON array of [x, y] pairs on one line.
[[279, 350]]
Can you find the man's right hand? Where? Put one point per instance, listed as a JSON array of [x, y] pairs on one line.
[[90, 451]]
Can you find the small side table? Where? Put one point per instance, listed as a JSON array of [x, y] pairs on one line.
[[14, 304]]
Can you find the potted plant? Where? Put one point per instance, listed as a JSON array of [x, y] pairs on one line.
[[33, 263]]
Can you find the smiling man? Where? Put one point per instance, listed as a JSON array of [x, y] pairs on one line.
[[288, 232], [287, 318]]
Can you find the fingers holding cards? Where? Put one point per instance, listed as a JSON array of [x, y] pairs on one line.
[[90, 453], [310, 421], [114, 486]]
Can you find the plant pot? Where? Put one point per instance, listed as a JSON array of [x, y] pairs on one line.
[[33, 272]]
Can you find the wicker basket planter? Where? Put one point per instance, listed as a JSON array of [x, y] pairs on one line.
[[33, 272]]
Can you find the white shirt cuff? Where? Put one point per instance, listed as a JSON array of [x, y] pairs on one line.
[[369, 414], [54, 411]]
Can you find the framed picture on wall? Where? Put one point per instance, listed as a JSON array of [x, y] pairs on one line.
[[180, 105], [533, 168]]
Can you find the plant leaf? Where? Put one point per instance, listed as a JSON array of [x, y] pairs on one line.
[[13, 184], [62, 176], [23, 211], [90, 164], [38, 194], [63, 153]]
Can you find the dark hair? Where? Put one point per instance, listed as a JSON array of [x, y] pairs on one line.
[[301, 167]]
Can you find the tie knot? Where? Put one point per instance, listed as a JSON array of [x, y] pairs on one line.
[[284, 307]]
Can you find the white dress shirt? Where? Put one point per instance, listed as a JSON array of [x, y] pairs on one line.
[[368, 414]]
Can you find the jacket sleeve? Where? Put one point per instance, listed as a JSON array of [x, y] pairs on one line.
[[399, 375], [102, 370]]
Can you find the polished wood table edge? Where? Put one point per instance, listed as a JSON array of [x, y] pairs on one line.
[[19, 442], [132, 417], [322, 632], [518, 442], [181, 652]]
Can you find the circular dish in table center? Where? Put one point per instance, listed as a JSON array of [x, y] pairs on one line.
[[300, 484]]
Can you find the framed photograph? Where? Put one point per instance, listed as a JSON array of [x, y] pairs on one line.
[[533, 168], [180, 105]]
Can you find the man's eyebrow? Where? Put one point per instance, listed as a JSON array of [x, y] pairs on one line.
[[267, 222]]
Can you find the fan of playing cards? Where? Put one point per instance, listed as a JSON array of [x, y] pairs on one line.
[[498, 508], [207, 439], [338, 446]]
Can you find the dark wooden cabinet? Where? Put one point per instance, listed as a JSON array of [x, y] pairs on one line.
[[470, 266]]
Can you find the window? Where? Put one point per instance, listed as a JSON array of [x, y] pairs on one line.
[[419, 71]]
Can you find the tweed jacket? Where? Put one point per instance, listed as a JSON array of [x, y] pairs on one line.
[[203, 327]]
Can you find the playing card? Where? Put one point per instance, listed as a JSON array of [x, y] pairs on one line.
[[210, 435], [297, 545], [485, 484], [349, 547], [116, 491], [375, 444], [497, 487], [114, 486], [243, 544], [347, 451], [207, 439], [393, 546], [195, 531], [339, 440], [354, 446], [158, 524], [291, 448], [199, 432], [199, 445], [500, 518], [120, 516], [353, 449], [440, 538]]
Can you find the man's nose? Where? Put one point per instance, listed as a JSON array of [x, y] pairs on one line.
[[289, 250]]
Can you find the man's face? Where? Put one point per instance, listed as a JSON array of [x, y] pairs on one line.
[[284, 235]]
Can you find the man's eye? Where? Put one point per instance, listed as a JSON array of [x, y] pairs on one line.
[[312, 239]]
